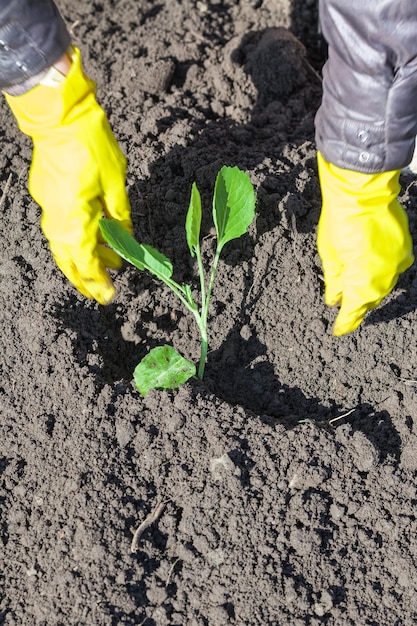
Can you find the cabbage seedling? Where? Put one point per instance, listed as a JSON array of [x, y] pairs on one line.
[[233, 212]]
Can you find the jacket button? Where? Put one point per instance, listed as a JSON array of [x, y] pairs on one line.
[[21, 66], [364, 157], [363, 136]]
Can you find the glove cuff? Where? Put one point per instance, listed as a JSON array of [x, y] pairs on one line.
[[46, 107]]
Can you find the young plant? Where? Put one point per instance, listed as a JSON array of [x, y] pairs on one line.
[[233, 212]]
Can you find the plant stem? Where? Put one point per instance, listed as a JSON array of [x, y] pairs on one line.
[[201, 274], [204, 311], [177, 289], [203, 356], [204, 314], [200, 320]]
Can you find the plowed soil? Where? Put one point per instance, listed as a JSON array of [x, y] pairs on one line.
[[281, 489]]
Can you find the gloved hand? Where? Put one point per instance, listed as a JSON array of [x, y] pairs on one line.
[[77, 176], [363, 240]]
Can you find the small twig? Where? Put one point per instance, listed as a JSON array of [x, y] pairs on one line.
[[336, 419], [5, 190], [196, 35], [73, 27], [326, 422], [148, 521], [407, 381], [410, 185], [171, 571]]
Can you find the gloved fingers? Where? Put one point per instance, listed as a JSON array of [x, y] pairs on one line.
[[74, 238], [115, 200], [101, 289], [348, 318], [333, 283], [332, 273], [116, 206], [332, 266], [332, 291], [360, 295], [366, 282], [90, 279], [109, 258]]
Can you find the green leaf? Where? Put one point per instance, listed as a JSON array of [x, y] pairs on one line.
[[138, 254], [233, 204], [193, 220], [162, 368]]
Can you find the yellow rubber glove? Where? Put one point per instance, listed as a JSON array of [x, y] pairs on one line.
[[363, 240], [77, 175]]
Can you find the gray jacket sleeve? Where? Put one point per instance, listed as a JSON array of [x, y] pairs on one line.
[[33, 36], [367, 121]]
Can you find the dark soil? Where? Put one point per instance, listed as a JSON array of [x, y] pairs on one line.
[[287, 477]]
